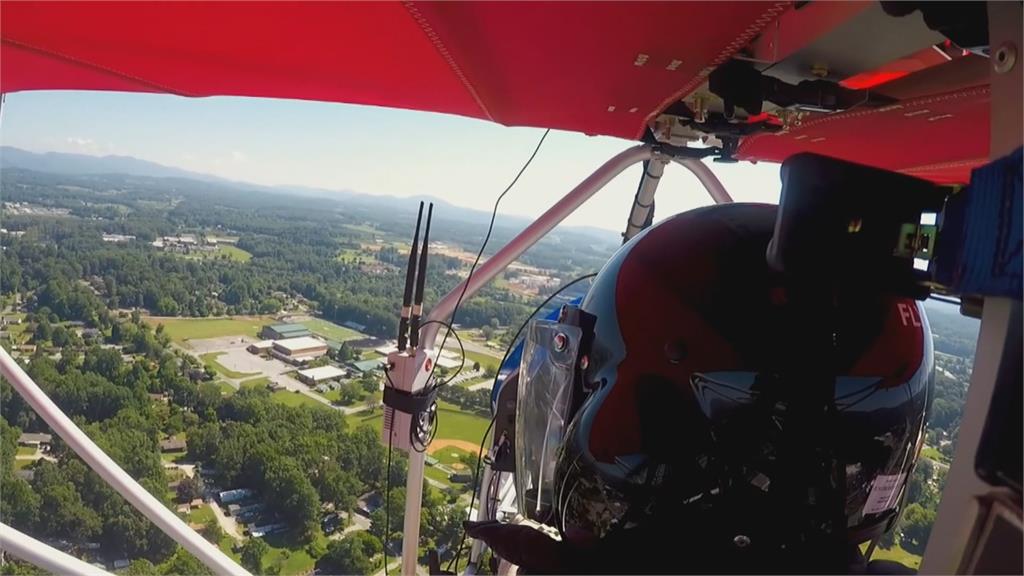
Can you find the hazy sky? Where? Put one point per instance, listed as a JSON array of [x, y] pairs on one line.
[[360, 148]]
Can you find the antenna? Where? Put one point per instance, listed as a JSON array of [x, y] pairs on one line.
[[421, 278], [403, 323]]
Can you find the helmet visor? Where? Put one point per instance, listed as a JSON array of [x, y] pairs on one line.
[[546, 375]]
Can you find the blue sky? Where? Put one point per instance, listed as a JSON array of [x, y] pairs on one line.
[[365, 149]]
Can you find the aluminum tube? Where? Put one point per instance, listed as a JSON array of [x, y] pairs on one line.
[[442, 311], [711, 182], [50, 559], [113, 475], [643, 203], [413, 504]]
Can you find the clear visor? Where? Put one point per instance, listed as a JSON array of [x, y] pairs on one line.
[[545, 385]]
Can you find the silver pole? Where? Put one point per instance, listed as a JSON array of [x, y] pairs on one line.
[[531, 235], [643, 204], [711, 182]]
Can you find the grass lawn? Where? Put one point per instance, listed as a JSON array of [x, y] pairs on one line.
[[19, 464], [210, 359], [932, 453], [26, 450], [225, 388], [296, 399], [332, 395], [201, 515], [450, 456], [259, 382], [172, 456], [332, 331], [184, 329], [437, 475], [898, 554], [485, 360], [287, 554], [234, 252], [454, 423]]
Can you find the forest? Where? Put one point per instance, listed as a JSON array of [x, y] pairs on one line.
[[294, 247]]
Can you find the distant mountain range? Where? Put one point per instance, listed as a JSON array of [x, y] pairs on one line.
[[65, 163]]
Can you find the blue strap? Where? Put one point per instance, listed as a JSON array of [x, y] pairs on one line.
[[980, 240]]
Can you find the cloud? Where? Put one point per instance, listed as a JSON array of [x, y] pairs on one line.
[[83, 145], [239, 157]]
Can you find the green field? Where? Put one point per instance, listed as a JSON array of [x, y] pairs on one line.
[[438, 475], [932, 453], [453, 423], [19, 464], [234, 253], [287, 555], [26, 451], [898, 554], [484, 360], [296, 399], [172, 456], [201, 515], [260, 382], [210, 359], [332, 331], [450, 456], [185, 329]]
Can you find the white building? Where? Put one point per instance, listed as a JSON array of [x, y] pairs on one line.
[[299, 349], [314, 376]]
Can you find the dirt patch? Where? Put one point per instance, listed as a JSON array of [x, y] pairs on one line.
[[442, 443]]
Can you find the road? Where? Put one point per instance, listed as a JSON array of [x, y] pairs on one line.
[[227, 523]]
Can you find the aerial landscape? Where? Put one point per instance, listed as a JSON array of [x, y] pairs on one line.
[[223, 343]]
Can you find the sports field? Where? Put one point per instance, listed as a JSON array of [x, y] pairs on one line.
[[184, 329], [453, 424], [332, 331]]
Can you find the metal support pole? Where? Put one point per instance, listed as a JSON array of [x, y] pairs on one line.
[[532, 234], [413, 504], [50, 559], [112, 474], [999, 342], [711, 182], [643, 204]]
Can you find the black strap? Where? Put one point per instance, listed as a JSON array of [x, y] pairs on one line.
[[407, 402]]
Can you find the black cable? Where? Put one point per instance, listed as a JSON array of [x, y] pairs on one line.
[[487, 237], [508, 352], [462, 350]]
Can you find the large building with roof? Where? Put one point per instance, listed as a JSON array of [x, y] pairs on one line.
[[298, 350], [313, 376], [284, 331]]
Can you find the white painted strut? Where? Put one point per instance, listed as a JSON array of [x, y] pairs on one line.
[[43, 556]]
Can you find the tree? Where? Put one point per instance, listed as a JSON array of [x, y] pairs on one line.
[[189, 489], [140, 567], [252, 555], [166, 306], [211, 530], [182, 563], [476, 366], [915, 527], [19, 503], [346, 556]]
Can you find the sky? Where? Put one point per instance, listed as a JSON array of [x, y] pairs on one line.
[[360, 148]]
